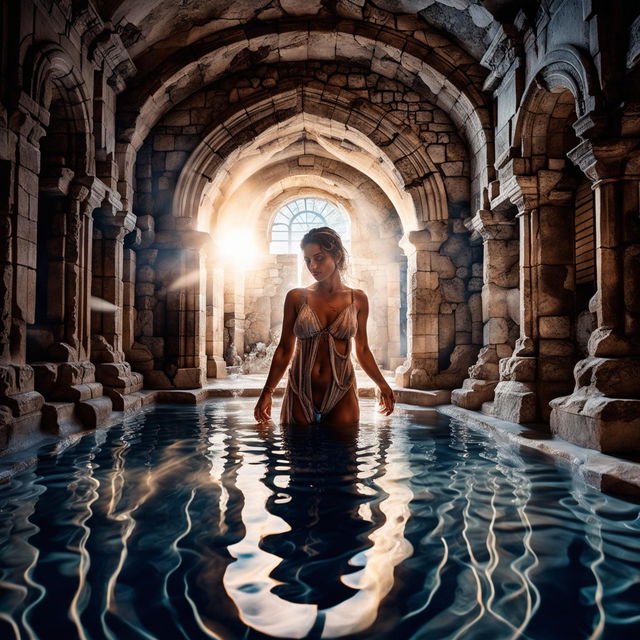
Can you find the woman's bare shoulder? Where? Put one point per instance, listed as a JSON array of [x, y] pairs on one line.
[[296, 295], [360, 297]]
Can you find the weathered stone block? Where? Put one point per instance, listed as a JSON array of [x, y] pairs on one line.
[[453, 290], [94, 412], [515, 402], [556, 369], [443, 265], [496, 331], [521, 369], [22, 404], [556, 327], [463, 318], [8, 384], [556, 348], [473, 393], [192, 378], [610, 425]]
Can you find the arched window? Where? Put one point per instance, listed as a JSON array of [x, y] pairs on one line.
[[295, 218]]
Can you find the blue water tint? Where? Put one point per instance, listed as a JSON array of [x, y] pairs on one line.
[[191, 522]]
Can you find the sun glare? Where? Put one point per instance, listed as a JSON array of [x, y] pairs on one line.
[[237, 248]]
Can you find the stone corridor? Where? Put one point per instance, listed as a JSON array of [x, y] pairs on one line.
[[160, 160]]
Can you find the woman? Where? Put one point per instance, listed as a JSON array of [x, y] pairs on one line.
[[324, 317]]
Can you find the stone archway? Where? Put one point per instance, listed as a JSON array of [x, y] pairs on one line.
[[551, 203]]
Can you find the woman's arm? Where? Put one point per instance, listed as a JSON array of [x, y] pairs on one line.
[[281, 358], [365, 357]]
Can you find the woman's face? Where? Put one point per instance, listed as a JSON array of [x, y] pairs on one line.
[[321, 264]]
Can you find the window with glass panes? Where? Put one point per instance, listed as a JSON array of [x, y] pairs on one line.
[[297, 217]]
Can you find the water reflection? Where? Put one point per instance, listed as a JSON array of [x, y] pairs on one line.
[[324, 514], [191, 523]]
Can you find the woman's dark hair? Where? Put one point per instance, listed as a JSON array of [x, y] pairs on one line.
[[329, 241]]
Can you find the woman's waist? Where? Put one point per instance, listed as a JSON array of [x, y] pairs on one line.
[[321, 369]]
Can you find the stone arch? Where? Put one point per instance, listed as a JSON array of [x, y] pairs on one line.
[[47, 69], [398, 150], [289, 180], [389, 53], [569, 67], [564, 69]]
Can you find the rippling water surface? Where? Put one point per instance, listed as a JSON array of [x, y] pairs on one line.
[[194, 523]]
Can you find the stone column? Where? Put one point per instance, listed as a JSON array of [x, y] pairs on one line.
[[603, 412], [540, 367], [20, 131], [234, 317], [515, 398], [499, 305], [393, 315], [185, 345], [120, 383], [129, 289], [216, 366], [70, 376], [424, 297]]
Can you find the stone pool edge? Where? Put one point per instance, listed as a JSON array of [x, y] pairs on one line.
[[601, 471]]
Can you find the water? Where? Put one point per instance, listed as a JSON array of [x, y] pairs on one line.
[[191, 522]]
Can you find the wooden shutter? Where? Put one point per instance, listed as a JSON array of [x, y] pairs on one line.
[[584, 235]]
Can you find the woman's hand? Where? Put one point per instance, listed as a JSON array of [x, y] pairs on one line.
[[386, 399], [262, 411]]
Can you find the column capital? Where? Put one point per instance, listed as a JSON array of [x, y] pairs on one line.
[[603, 159], [492, 225], [88, 191], [430, 238], [118, 226], [517, 188]]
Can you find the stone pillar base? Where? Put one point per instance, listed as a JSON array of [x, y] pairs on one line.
[[216, 367], [515, 397], [20, 404], [417, 373], [62, 382], [610, 425], [120, 384], [127, 402], [474, 393], [479, 387], [60, 418], [603, 412], [515, 402], [94, 411], [190, 378]]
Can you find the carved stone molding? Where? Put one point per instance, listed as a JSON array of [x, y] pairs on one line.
[[504, 50], [633, 55], [104, 45], [492, 225], [601, 160]]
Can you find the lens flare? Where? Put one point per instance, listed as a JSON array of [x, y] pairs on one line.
[[238, 248], [186, 280], [102, 306]]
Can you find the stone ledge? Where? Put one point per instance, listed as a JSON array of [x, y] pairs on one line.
[[423, 398], [600, 471]]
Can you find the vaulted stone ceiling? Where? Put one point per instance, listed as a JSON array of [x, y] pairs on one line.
[[153, 29]]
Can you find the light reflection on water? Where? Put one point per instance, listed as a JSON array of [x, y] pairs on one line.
[[192, 522]]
